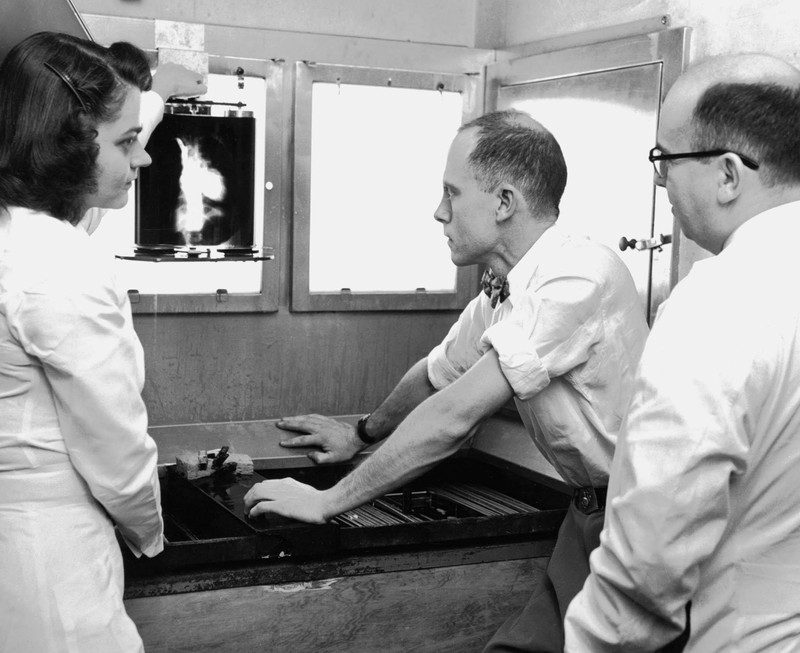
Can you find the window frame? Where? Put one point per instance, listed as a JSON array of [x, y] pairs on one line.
[[267, 299], [303, 300]]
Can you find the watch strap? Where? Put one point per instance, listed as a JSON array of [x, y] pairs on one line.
[[361, 430]]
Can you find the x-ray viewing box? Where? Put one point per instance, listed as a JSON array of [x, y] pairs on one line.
[[196, 199]]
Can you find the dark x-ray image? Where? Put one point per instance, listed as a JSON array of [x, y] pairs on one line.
[[199, 188]]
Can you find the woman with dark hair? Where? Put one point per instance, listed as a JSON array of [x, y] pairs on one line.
[[75, 456]]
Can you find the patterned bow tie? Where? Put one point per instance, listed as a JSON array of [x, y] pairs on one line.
[[496, 288]]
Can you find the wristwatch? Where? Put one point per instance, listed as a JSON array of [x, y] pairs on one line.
[[361, 430]]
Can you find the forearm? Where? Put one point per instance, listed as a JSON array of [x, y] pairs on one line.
[[413, 389], [152, 112], [92, 362], [111, 450], [433, 431], [623, 625], [422, 440], [669, 506]]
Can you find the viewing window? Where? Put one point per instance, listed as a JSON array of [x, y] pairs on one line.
[[370, 151], [204, 189]]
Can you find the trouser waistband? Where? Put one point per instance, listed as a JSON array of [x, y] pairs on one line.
[[589, 499]]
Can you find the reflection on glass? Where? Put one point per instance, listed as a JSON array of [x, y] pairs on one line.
[[606, 123], [377, 158]]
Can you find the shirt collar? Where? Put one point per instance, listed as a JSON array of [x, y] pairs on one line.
[[776, 221], [519, 277]]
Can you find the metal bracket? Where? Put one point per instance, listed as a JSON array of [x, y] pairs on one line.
[[645, 243]]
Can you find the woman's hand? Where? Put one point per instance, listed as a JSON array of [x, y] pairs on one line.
[[171, 80]]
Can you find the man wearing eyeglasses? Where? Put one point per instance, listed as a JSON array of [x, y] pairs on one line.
[[702, 534]]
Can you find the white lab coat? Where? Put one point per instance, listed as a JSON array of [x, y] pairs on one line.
[[705, 486], [75, 455]]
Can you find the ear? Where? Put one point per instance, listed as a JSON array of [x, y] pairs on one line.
[[509, 198], [730, 178]]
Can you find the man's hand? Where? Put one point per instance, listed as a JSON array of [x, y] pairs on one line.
[[286, 497], [171, 79], [338, 441]]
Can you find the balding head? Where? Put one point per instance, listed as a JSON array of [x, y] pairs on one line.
[[510, 146], [747, 103], [743, 68], [746, 68], [744, 110]]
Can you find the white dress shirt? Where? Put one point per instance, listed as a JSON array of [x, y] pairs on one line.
[[568, 338], [705, 487]]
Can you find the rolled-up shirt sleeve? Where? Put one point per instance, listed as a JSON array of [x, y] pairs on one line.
[[461, 347], [548, 333], [80, 331]]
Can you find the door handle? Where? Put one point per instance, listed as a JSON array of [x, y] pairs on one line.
[[645, 243]]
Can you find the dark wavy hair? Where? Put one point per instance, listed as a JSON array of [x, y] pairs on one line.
[[54, 91], [513, 148], [759, 120]]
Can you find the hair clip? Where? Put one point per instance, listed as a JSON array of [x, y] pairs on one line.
[[69, 84]]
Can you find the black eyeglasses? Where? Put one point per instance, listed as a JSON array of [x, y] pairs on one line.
[[656, 156]]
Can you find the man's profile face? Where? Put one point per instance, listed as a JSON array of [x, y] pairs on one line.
[[466, 212], [686, 180]]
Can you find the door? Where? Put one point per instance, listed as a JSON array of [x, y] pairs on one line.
[[602, 102]]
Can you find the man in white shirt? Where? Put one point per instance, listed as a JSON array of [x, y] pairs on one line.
[[702, 532], [563, 339]]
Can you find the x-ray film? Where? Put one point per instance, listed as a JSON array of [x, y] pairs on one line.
[[198, 191]]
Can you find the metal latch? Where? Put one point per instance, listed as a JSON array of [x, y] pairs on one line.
[[645, 243]]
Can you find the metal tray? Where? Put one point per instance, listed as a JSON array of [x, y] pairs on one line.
[[461, 500]]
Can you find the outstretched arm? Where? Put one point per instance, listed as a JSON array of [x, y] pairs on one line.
[[432, 431]]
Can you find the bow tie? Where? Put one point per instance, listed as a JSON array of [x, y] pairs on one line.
[[496, 288]]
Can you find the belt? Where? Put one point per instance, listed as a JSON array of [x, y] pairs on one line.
[[589, 499]]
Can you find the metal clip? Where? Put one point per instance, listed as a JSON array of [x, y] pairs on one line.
[[220, 457]]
